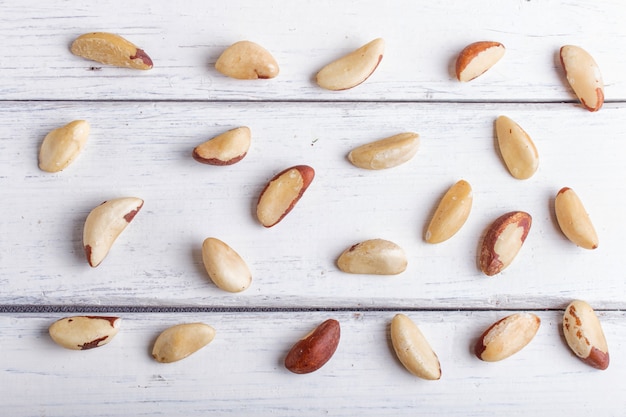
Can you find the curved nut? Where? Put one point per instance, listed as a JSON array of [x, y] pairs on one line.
[[451, 214], [476, 58], [247, 60], [507, 337], [386, 153], [413, 349], [584, 335], [352, 69], [375, 256], [225, 149], [84, 332], [105, 223], [61, 146], [517, 148], [225, 267], [574, 220], [503, 240], [180, 341], [583, 75], [315, 349], [111, 49]]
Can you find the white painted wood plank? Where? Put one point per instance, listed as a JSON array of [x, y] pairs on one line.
[[143, 149], [423, 40], [242, 370]]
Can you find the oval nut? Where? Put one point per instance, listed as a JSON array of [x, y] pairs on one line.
[[451, 214], [507, 337], [225, 267], [413, 349], [245, 60], [584, 335], [84, 332], [375, 256], [583, 75], [181, 340], [386, 153], [315, 349], [574, 220], [61, 146], [476, 58], [517, 148], [224, 149], [503, 240]]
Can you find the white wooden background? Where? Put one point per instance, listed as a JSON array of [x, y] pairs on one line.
[[144, 126]]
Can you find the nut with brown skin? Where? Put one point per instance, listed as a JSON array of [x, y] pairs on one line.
[[105, 223], [315, 349], [225, 149], [61, 146], [180, 341], [584, 335], [111, 49], [374, 256], [386, 153], [282, 192], [413, 349], [517, 148], [476, 58], [84, 332], [583, 75], [247, 60], [507, 337], [352, 69], [574, 220], [503, 240], [451, 214]]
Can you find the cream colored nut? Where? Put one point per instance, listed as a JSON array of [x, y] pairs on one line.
[[247, 60], [584, 335], [282, 193], [352, 69], [84, 332], [476, 58], [517, 148], [61, 146], [507, 337], [111, 49], [583, 75], [413, 349], [315, 349], [180, 341], [225, 149], [386, 153], [225, 267], [375, 256], [574, 220], [451, 214], [503, 240], [105, 223]]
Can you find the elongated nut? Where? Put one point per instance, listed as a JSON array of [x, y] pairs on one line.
[[413, 349], [281, 194], [61, 146], [105, 223], [503, 240], [352, 69], [315, 349], [574, 220], [386, 153], [583, 75], [476, 58], [507, 337], [111, 49], [584, 335], [84, 332], [225, 149], [375, 256], [517, 148], [451, 214], [247, 60], [225, 267], [181, 340]]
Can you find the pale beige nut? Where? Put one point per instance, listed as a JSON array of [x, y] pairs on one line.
[[225, 149], [111, 49], [61, 146], [503, 241], [574, 220], [583, 75], [451, 214], [105, 223], [584, 335], [281, 194], [476, 58], [375, 256], [517, 148], [245, 60], [352, 69], [413, 349], [225, 267], [386, 153], [84, 332], [507, 337], [180, 341], [315, 349]]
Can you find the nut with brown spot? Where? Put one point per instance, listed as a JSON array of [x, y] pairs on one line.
[[61, 146], [245, 60], [584, 335], [225, 267], [503, 240], [224, 149], [413, 349], [181, 340], [476, 58], [451, 214], [517, 148], [583, 75], [315, 349], [574, 220], [111, 49], [282, 192], [507, 337], [374, 256], [386, 153], [84, 332]]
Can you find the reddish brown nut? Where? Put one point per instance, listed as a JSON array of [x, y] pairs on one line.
[[507, 336], [315, 349], [282, 193], [503, 240], [476, 58], [584, 335], [224, 149]]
